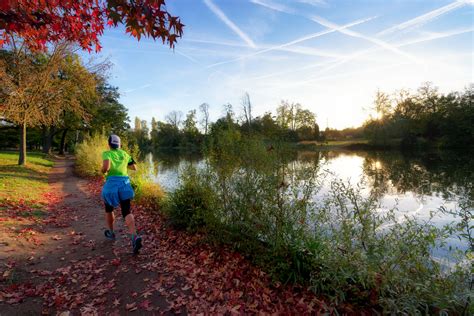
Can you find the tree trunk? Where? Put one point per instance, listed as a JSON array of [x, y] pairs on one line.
[[48, 134], [22, 156], [63, 142], [46, 140]]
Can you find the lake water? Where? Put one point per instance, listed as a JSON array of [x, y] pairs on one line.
[[413, 184]]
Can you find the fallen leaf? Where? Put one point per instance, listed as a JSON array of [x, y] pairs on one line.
[[131, 307]]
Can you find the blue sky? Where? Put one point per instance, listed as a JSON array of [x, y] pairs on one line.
[[330, 56]]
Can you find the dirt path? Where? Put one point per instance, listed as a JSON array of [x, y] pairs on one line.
[[80, 245], [71, 269]]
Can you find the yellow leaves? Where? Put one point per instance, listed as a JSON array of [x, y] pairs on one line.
[[41, 87]]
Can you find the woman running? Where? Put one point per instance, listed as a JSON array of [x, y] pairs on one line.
[[117, 189]]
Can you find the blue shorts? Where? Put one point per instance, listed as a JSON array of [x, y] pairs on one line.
[[116, 189]]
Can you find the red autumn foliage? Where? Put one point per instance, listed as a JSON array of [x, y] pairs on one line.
[[39, 22]]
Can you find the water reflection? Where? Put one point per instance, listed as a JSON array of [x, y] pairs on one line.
[[445, 176], [414, 185], [167, 166]]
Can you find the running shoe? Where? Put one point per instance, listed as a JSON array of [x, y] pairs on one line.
[[136, 244], [109, 234]]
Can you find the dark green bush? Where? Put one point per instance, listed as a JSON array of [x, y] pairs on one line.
[[190, 206]]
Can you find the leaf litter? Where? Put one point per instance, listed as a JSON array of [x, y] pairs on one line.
[[181, 274]]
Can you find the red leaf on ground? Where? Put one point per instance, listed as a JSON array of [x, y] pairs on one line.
[[131, 307]]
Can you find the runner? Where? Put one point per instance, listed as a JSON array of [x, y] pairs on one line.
[[117, 190]]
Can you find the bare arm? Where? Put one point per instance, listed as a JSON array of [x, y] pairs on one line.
[[105, 166], [133, 166]]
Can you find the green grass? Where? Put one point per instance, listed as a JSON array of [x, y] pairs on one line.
[[345, 142], [332, 144], [23, 182]]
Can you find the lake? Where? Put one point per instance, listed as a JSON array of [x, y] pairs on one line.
[[412, 184]]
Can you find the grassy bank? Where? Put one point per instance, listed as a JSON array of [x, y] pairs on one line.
[[21, 193], [23, 182], [353, 144]]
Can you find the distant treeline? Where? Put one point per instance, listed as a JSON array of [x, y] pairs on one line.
[[292, 123], [426, 118]]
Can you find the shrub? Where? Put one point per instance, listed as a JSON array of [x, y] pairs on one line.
[[190, 206], [89, 155], [147, 192], [342, 246]]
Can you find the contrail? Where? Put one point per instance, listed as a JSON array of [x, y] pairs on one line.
[[299, 40], [186, 56], [294, 49], [378, 42], [316, 3], [425, 18], [273, 6], [343, 60], [434, 36], [221, 15], [138, 88]]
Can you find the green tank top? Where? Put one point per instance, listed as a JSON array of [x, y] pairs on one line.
[[119, 160]]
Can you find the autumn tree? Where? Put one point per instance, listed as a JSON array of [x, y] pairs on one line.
[[37, 23], [80, 93], [38, 87], [40, 22]]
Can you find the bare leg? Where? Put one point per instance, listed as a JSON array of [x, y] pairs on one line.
[[130, 222], [109, 219]]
